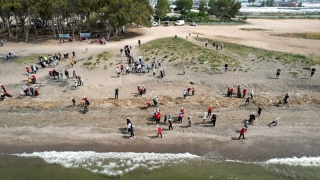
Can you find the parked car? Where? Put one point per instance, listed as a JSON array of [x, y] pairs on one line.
[[155, 23], [167, 23], [179, 23], [193, 24]]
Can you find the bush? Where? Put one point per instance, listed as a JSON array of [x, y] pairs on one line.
[[117, 38]]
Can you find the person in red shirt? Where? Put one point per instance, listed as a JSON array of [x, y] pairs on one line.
[[148, 103], [192, 89], [244, 92], [188, 90], [239, 88], [3, 88], [209, 110], [182, 110], [159, 131], [122, 67], [34, 78], [37, 93], [28, 69], [157, 117], [231, 91], [242, 131]]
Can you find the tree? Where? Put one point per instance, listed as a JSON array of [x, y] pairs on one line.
[[202, 5], [271, 3], [268, 3], [263, 3], [184, 5], [224, 8], [162, 8]]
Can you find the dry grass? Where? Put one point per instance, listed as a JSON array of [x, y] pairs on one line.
[[254, 29], [201, 99], [306, 35]]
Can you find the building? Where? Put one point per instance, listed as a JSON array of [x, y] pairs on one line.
[[153, 3]]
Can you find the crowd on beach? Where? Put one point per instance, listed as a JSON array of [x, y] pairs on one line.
[[139, 66]]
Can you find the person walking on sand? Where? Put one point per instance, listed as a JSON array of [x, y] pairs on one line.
[[221, 45], [127, 69], [118, 72], [154, 71], [132, 129], [244, 92], [209, 110], [170, 121], [139, 42], [204, 118], [278, 73], [159, 131], [73, 101], [242, 131], [251, 94], [75, 85], [275, 121], [226, 67], [285, 100], [313, 70], [206, 43], [247, 101], [66, 72], [184, 93], [213, 119], [128, 124], [189, 121], [116, 93], [155, 101], [259, 111], [192, 90], [184, 69], [180, 116], [74, 73]]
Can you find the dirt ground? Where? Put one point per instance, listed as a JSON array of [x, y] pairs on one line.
[[49, 122]]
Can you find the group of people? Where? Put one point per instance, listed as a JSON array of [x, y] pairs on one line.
[[9, 55], [29, 91]]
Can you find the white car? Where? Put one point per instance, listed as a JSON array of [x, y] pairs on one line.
[[155, 23], [179, 23]]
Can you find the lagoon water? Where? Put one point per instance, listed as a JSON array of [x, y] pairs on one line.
[[93, 165]]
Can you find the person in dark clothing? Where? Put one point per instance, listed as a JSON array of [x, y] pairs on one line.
[[73, 101], [139, 42], [278, 73], [116, 93], [226, 67], [66, 72], [73, 54], [213, 119], [132, 130], [259, 111], [247, 101], [313, 70], [285, 100]]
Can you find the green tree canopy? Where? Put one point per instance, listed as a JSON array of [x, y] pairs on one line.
[[184, 5], [224, 8], [162, 8]]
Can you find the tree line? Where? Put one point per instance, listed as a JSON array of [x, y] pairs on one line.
[[224, 9], [110, 14]]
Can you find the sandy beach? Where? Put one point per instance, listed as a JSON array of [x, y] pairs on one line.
[[49, 122]]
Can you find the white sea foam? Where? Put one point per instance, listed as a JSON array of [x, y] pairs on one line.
[[111, 163], [303, 161]]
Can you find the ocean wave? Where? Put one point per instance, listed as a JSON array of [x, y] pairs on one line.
[[303, 161], [111, 163]]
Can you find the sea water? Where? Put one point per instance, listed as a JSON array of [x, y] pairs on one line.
[[115, 165]]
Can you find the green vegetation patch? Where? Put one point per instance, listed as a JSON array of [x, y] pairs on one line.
[[94, 62], [31, 59], [248, 54], [254, 29], [185, 53], [307, 35]]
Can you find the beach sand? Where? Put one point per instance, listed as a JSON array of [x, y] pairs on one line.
[[49, 122]]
